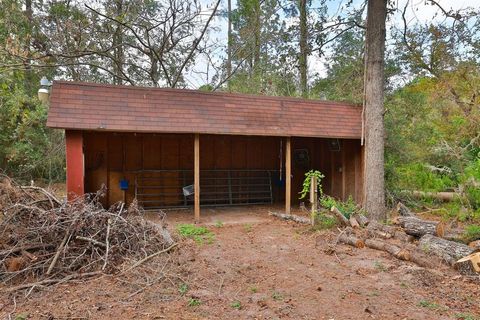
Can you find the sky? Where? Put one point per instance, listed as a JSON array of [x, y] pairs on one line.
[[418, 11]]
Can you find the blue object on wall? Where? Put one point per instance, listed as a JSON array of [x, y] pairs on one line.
[[123, 184]]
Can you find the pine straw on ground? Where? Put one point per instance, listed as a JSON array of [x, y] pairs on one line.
[[44, 240]]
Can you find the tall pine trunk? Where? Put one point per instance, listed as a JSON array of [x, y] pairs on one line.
[[229, 44], [302, 61], [118, 53], [257, 35], [374, 110], [28, 78]]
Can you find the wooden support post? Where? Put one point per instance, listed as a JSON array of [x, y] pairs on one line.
[[197, 177], [313, 197], [288, 176]]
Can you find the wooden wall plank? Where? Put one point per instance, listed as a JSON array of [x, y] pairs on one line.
[[288, 174], [197, 177]]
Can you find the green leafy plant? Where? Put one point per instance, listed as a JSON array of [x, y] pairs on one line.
[[347, 208], [323, 221], [218, 224], [194, 302], [199, 234], [236, 305], [277, 296], [254, 289], [308, 180], [183, 289]]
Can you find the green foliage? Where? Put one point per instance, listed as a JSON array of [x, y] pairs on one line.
[[347, 208], [236, 305], [323, 221], [431, 305], [29, 150], [308, 180], [194, 302], [277, 296], [199, 234], [466, 316], [471, 233], [416, 176], [218, 224], [183, 289]]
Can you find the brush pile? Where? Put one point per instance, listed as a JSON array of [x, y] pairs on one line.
[[44, 239]]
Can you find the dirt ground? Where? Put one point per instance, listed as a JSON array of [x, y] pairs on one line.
[[264, 269]]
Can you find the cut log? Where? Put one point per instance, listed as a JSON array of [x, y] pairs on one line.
[[291, 217], [442, 196], [473, 260], [362, 220], [353, 222], [475, 245], [405, 254], [418, 227], [351, 240], [376, 229], [394, 250], [340, 217], [448, 251], [404, 211]]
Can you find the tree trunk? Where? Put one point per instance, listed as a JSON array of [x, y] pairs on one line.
[[374, 110], [28, 67], [229, 44], [302, 61], [118, 46], [449, 251], [257, 36], [418, 227]]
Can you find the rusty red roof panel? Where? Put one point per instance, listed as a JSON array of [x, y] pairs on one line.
[[89, 106]]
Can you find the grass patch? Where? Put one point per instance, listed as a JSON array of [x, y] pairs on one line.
[[431, 305], [248, 227], [199, 234], [466, 316], [471, 233], [253, 289], [194, 302], [218, 224], [183, 289], [277, 296], [379, 266], [236, 305]]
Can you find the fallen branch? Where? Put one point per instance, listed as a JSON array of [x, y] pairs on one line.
[[291, 217], [53, 281], [95, 242], [151, 256]]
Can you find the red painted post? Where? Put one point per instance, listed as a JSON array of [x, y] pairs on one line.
[[75, 163]]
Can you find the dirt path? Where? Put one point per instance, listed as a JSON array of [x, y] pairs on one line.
[[270, 270]]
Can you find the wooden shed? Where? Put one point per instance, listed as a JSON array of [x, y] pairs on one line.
[[180, 148]]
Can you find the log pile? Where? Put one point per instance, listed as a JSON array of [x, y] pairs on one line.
[[413, 239], [44, 238]]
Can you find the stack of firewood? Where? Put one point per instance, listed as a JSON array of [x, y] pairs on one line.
[[410, 238]]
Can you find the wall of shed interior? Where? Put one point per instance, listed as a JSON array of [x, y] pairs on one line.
[[112, 157]]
